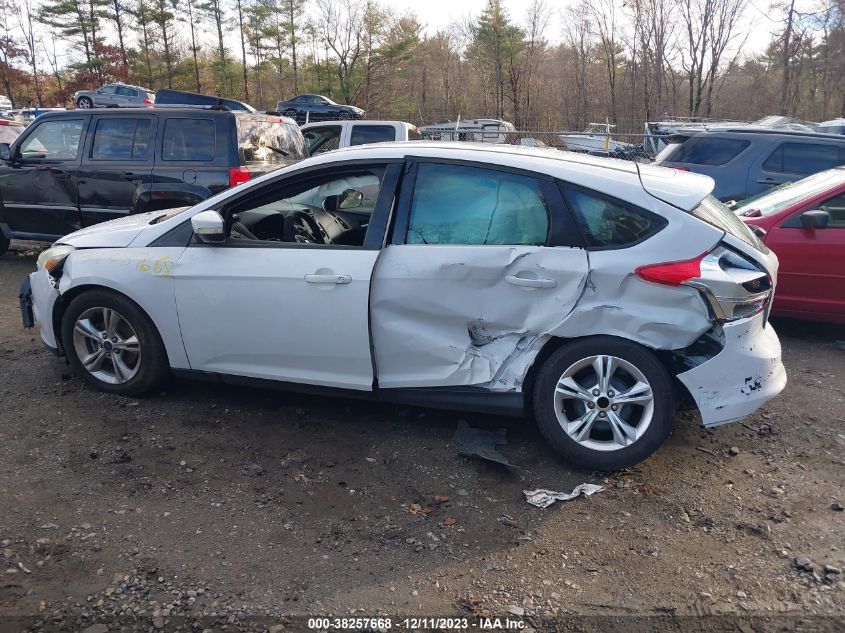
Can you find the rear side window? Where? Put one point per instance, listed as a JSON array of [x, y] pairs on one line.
[[126, 92], [606, 223], [454, 204], [709, 151], [804, 158], [362, 134], [121, 139], [188, 139]]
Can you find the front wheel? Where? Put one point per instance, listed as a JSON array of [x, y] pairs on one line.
[[112, 344], [603, 402]]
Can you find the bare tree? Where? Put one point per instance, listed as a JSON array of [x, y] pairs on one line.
[[24, 15]]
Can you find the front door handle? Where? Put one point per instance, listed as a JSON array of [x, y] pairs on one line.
[[530, 283], [328, 279]]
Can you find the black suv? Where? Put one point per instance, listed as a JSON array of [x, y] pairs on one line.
[[73, 169]]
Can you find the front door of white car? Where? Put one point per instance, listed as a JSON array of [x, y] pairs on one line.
[[479, 266], [285, 298]]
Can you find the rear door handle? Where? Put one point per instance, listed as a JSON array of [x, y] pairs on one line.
[[328, 279], [530, 283]]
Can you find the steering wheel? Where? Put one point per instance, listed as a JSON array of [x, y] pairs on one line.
[[239, 230], [301, 227]]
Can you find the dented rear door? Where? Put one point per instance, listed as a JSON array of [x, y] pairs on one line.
[[470, 283]]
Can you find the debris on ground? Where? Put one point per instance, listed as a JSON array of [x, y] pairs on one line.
[[471, 442], [544, 498]]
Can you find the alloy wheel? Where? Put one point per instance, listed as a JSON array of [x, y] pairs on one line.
[[107, 345], [604, 402]]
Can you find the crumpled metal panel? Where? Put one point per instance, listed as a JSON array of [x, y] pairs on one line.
[[446, 315], [742, 377]]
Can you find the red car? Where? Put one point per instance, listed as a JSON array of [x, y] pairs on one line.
[[804, 224]]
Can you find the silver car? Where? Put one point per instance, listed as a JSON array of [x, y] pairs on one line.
[[113, 96], [598, 295]]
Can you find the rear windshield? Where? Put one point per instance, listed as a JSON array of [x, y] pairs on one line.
[[270, 140], [787, 195], [709, 151], [717, 214]]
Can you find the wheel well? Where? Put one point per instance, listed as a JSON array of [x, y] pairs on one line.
[[682, 395], [64, 301]]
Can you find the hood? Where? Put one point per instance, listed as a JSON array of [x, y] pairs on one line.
[[112, 234], [681, 189]]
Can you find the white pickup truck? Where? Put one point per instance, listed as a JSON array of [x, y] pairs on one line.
[[328, 135]]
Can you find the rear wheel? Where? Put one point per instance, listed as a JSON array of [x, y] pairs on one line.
[[112, 344], [84, 103], [603, 402]]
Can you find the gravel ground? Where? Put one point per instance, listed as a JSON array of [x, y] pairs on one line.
[[225, 508]]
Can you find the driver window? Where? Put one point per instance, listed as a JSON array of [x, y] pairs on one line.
[[330, 209]]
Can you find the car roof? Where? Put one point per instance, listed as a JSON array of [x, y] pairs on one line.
[[762, 131], [136, 110], [682, 189]]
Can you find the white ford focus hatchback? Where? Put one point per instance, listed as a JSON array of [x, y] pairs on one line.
[[597, 294]]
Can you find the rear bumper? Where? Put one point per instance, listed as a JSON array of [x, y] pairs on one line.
[[746, 374], [43, 300]]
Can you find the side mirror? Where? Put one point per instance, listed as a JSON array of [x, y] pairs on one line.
[[5, 151], [208, 227], [816, 219]]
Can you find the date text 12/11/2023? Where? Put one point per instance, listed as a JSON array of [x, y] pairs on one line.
[[416, 623]]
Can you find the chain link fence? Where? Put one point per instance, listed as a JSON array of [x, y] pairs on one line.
[[635, 147]]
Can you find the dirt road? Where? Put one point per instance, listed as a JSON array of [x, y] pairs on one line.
[[240, 507]]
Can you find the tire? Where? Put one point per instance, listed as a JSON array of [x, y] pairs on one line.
[[4, 244], [84, 103], [568, 394], [120, 369]]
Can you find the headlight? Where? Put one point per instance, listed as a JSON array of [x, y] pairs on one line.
[[53, 256]]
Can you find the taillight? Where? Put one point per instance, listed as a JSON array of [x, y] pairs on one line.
[[238, 176], [147, 102], [672, 273], [733, 286]]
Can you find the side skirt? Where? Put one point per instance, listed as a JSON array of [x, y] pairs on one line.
[[472, 399]]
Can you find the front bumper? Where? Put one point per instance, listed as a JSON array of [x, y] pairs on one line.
[[746, 374], [43, 296]]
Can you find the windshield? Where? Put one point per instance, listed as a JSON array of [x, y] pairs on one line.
[[714, 212], [785, 196]]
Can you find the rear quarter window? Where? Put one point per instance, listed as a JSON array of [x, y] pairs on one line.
[[608, 223], [188, 139], [709, 151]]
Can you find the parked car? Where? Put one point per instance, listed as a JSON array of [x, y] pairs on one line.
[[170, 97], [804, 224], [324, 137], [5, 103], [502, 279], [834, 126], [307, 108], [10, 131], [115, 95], [746, 161], [76, 168]]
